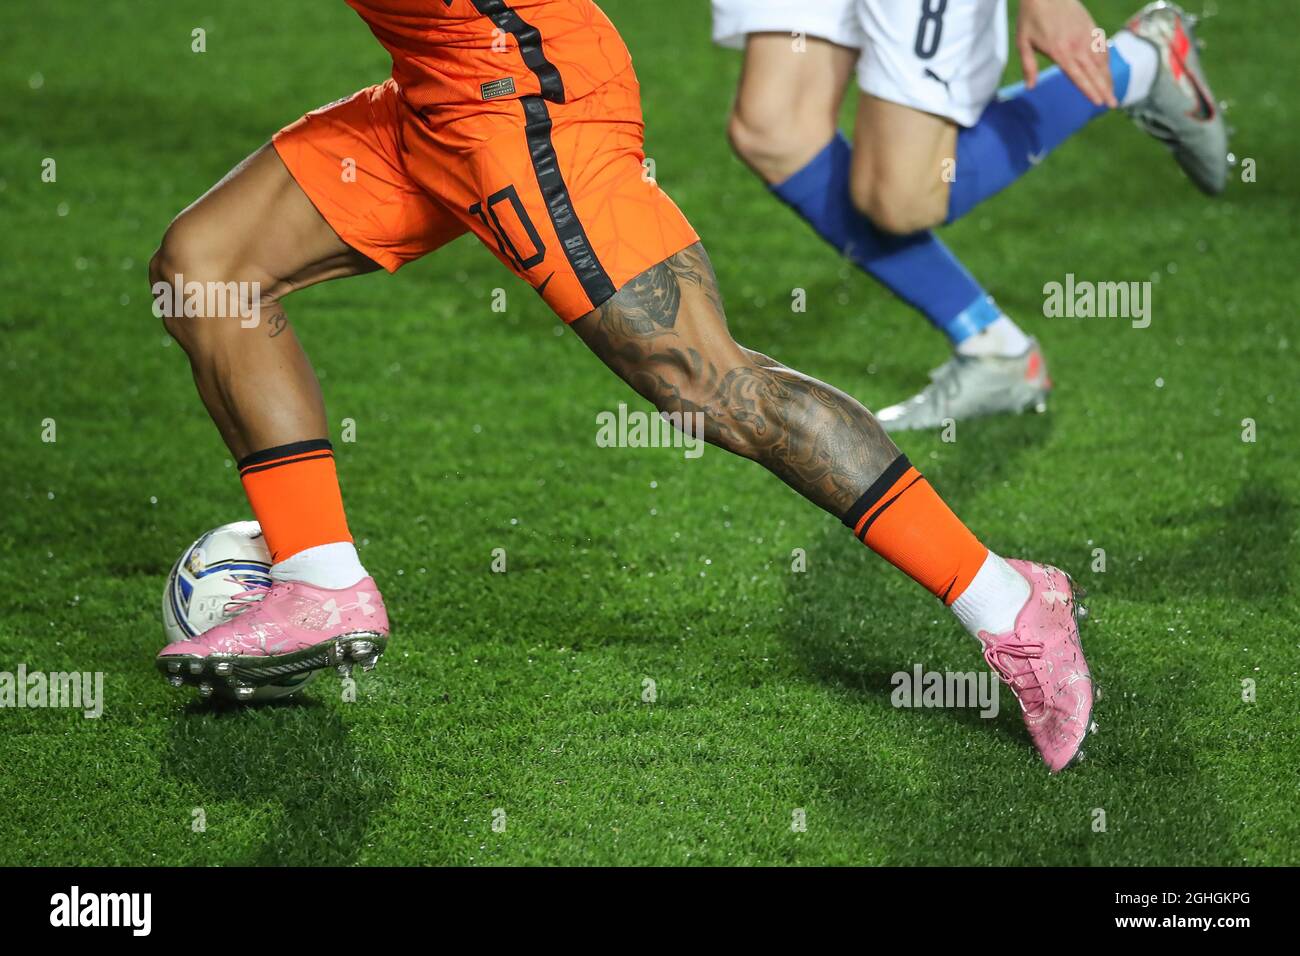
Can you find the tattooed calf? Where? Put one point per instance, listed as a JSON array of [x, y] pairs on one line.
[[665, 333]]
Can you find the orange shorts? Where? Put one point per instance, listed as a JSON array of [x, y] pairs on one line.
[[557, 191]]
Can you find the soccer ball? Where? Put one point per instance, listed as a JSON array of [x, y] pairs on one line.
[[224, 562]]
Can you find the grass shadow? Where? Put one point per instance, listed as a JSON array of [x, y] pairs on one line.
[[1241, 550], [296, 754]]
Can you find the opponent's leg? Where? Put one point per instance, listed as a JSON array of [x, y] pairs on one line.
[[783, 126], [1158, 81], [927, 77], [1022, 126], [898, 157], [902, 164], [665, 334], [983, 143], [913, 169], [788, 101]]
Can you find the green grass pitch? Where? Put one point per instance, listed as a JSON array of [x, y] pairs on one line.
[[521, 693]]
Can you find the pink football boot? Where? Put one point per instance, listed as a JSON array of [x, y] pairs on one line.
[[283, 630], [1041, 660]]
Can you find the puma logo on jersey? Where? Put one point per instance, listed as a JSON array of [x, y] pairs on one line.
[[931, 75], [335, 609]]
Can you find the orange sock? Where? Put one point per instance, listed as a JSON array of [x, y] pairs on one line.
[[294, 491], [903, 519]]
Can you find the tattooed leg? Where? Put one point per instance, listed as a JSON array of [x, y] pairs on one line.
[[666, 335], [255, 226]]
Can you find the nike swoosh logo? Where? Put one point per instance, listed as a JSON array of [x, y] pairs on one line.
[[1036, 158], [1205, 109], [541, 289]]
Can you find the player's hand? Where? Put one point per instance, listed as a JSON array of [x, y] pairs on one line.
[[1064, 30]]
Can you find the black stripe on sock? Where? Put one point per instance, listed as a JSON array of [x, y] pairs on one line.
[[862, 535], [591, 274], [529, 39], [878, 489], [284, 451], [281, 464]]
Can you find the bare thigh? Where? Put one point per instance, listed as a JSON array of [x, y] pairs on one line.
[[903, 162], [258, 228], [788, 101], [258, 224]]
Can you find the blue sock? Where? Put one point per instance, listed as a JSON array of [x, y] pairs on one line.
[[919, 269], [1018, 130]]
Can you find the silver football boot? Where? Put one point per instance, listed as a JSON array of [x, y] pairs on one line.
[[968, 386], [1180, 110]]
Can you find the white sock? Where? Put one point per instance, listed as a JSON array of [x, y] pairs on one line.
[[1143, 63], [993, 599], [331, 566], [1001, 337]]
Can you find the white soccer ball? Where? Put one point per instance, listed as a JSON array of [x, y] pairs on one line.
[[224, 562]]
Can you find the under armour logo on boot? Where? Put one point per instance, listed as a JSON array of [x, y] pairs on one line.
[[362, 604]]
